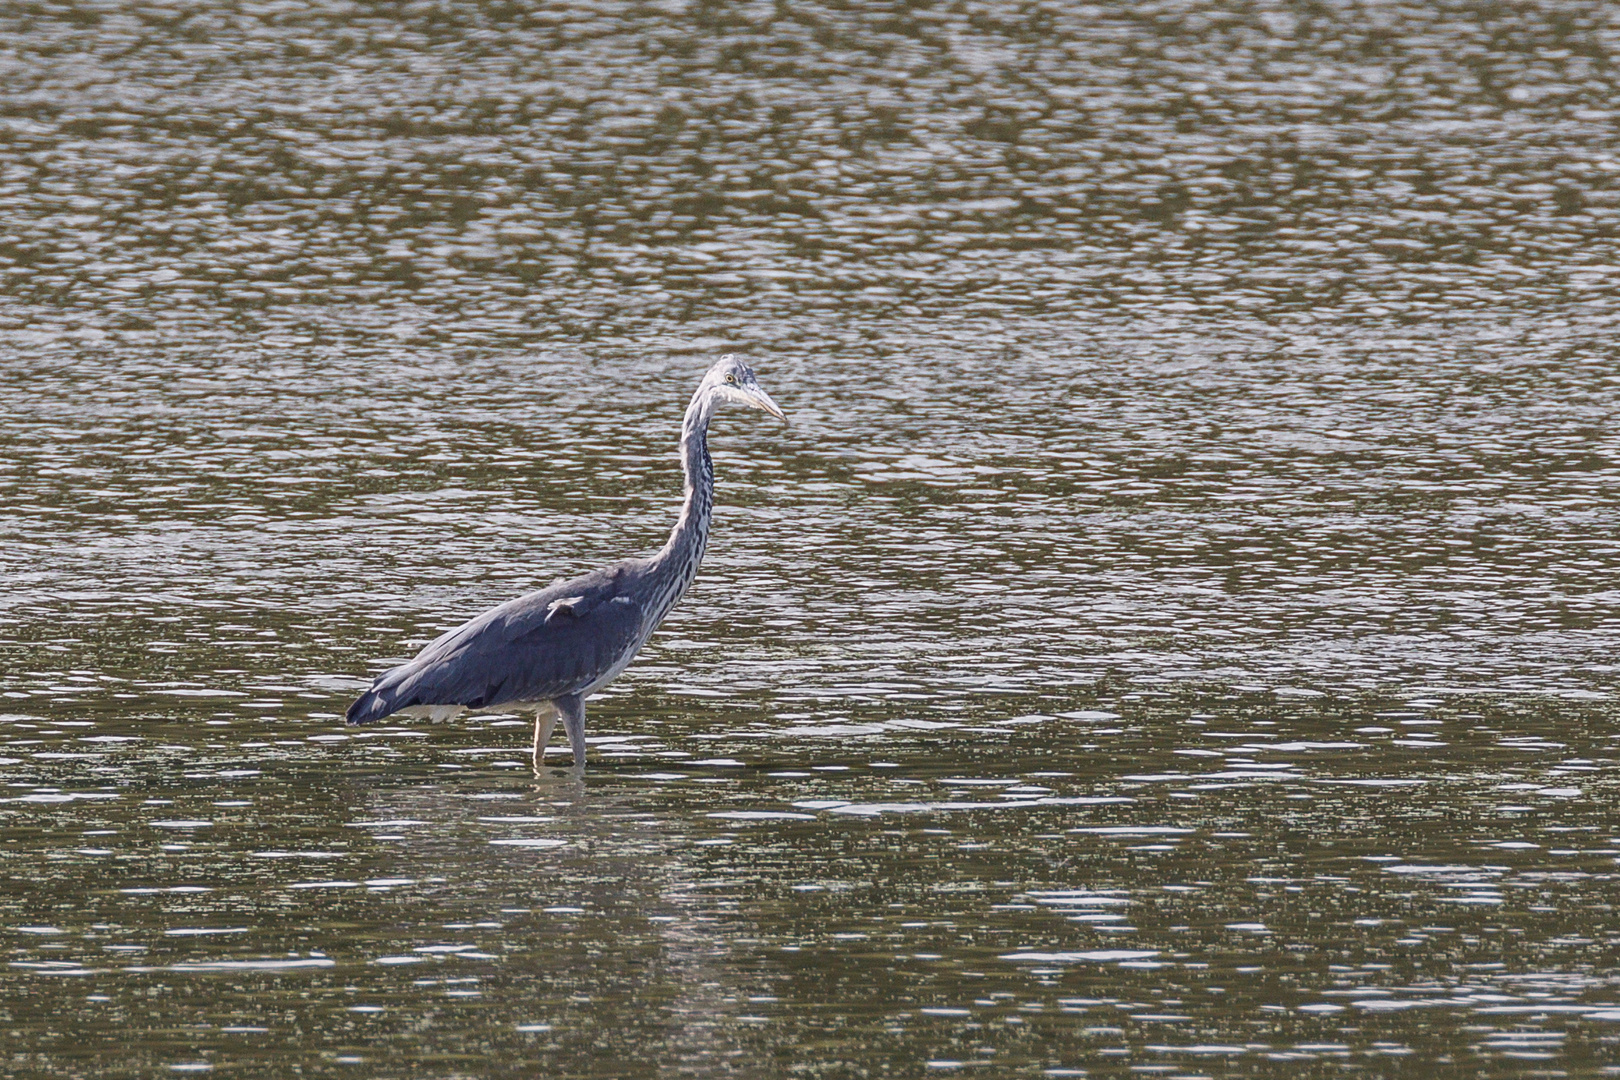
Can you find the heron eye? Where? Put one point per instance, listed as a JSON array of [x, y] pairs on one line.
[[732, 379]]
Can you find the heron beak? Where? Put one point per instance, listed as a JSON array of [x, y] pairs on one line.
[[762, 400]]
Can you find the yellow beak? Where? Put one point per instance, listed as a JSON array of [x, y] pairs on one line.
[[762, 400]]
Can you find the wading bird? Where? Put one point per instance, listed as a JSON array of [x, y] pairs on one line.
[[550, 650]]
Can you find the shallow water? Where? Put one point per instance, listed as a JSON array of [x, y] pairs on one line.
[[1175, 636]]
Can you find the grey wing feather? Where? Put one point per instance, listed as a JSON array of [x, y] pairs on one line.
[[538, 647]]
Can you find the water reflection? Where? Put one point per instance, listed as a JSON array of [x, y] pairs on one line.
[[719, 912], [1173, 638]]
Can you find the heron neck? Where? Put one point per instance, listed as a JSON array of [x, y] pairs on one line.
[[690, 536]]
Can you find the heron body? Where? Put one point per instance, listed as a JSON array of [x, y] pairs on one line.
[[550, 650]]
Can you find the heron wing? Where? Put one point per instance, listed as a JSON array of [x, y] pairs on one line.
[[536, 648]]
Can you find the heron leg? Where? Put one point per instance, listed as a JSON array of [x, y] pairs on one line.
[[545, 718], [572, 709]]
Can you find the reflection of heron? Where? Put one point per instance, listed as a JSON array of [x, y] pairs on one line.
[[552, 649]]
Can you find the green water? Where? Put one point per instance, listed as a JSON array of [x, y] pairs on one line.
[[1176, 636]]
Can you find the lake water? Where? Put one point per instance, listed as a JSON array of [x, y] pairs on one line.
[[1176, 636]]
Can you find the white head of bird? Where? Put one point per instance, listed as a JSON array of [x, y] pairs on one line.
[[730, 379]]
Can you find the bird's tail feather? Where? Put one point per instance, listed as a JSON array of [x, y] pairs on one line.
[[386, 697], [367, 707]]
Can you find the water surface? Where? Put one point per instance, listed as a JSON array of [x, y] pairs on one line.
[[1175, 637]]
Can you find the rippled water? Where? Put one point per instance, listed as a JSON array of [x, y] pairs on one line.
[[1175, 637]]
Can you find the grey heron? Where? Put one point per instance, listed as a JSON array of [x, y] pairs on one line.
[[550, 650]]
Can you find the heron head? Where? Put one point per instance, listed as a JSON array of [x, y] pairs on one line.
[[732, 380]]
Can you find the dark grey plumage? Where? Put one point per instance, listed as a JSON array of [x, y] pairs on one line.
[[535, 648], [552, 649]]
